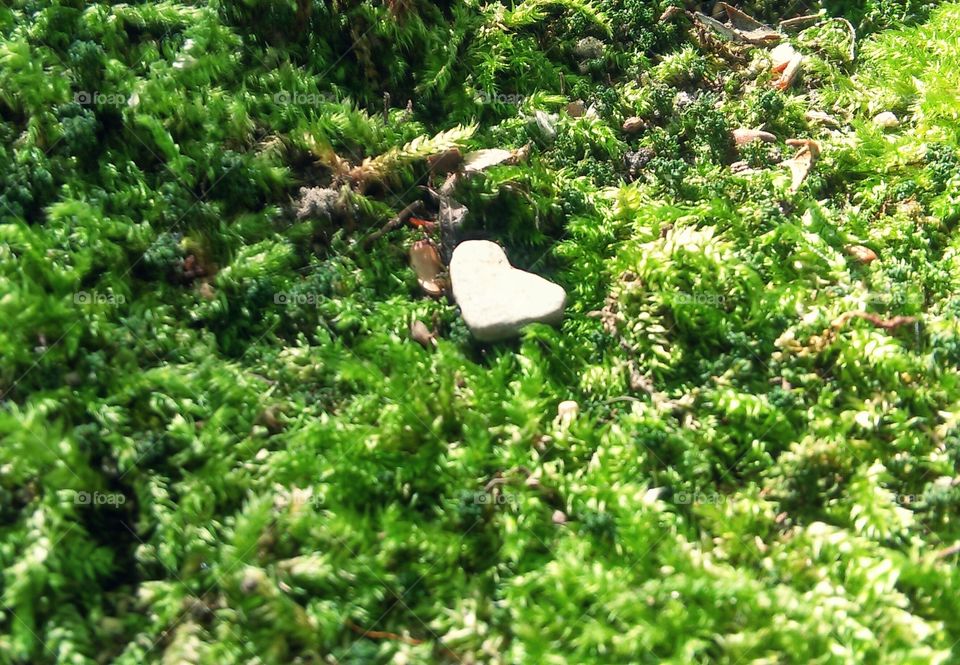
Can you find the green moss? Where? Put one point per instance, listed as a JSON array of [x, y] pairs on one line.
[[220, 444]]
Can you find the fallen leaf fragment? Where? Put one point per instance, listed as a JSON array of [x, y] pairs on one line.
[[822, 118], [425, 261], [743, 136], [420, 334], [861, 253], [789, 72], [423, 223], [478, 160], [781, 56], [803, 161]]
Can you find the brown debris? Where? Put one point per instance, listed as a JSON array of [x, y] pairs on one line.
[[801, 163], [445, 162], [743, 136], [420, 334], [861, 253], [425, 261], [789, 72], [633, 125], [875, 319]]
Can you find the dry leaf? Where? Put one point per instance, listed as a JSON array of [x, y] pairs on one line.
[[789, 72], [742, 136], [781, 56], [749, 28], [422, 335], [821, 117], [803, 161], [425, 261], [479, 160], [755, 33]]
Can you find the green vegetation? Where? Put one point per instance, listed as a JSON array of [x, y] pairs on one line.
[[220, 444]]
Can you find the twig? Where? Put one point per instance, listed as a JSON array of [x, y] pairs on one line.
[[382, 634], [400, 218], [875, 319], [798, 21]]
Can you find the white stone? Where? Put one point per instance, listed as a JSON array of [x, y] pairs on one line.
[[887, 120], [496, 299]]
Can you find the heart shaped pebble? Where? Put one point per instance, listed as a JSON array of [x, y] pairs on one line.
[[496, 299]]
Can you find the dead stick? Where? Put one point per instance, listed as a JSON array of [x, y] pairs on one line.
[[400, 218], [382, 634]]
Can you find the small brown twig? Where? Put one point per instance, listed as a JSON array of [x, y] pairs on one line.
[[875, 319], [414, 208], [382, 634]]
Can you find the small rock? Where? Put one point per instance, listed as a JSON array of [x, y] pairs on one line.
[[496, 299], [886, 120], [861, 253], [637, 160], [317, 202], [822, 118], [633, 125]]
